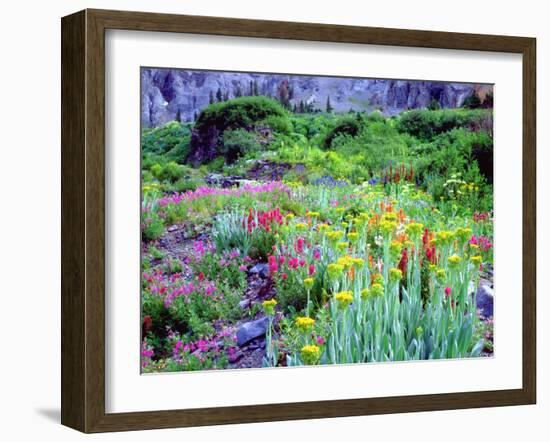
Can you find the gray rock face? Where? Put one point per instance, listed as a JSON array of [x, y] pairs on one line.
[[485, 298], [168, 94], [251, 330]]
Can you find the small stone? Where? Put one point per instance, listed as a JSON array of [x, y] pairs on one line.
[[261, 269], [244, 304], [172, 228], [251, 330]]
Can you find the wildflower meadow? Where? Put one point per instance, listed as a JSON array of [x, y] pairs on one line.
[[299, 236]]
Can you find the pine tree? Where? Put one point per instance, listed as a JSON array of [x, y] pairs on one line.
[[255, 89], [434, 105], [178, 116], [211, 97], [219, 96], [329, 107], [472, 102]]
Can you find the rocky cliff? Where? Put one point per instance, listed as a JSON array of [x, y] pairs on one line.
[[169, 94]]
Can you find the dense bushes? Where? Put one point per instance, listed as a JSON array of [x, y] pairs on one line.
[[238, 142], [426, 124], [170, 141], [346, 126], [238, 113]]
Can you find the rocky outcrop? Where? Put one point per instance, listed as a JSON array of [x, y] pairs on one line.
[[169, 94]]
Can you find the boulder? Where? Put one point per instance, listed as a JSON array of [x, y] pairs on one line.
[[485, 298], [251, 330]]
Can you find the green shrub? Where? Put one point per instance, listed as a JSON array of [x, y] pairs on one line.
[[278, 123], [170, 171], [170, 141], [238, 113], [237, 143], [346, 126], [426, 124]]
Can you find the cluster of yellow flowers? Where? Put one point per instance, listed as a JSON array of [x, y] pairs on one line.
[[335, 235], [335, 270], [304, 323], [344, 298], [444, 238], [414, 230], [476, 259], [376, 291], [349, 261], [454, 261], [310, 354], [463, 234], [312, 214], [269, 306], [395, 275], [387, 227]]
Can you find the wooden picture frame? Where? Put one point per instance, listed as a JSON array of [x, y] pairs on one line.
[[83, 220]]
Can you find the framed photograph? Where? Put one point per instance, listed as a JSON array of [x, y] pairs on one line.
[[266, 221]]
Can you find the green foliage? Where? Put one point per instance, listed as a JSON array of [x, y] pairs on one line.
[[344, 126], [472, 102], [278, 123], [170, 141], [152, 226], [426, 124], [238, 113], [170, 171], [237, 143], [434, 105], [230, 231]]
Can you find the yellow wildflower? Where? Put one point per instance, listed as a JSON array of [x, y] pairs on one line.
[[414, 230], [440, 275], [308, 283], [395, 275], [344, 298], [335, 270], [269, 306], [304, 323], [387, 227], [377, 290], [342, 246], [477, 259], [454, 260], [353, 237], [310, 354]]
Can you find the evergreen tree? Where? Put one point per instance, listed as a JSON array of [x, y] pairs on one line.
[[434, 105], [226, 96], [219, 96], [211, 97], [178, 116], [329, 107], [472, 102], [255, 88]]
